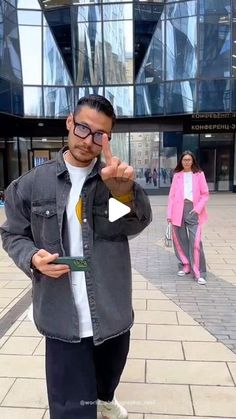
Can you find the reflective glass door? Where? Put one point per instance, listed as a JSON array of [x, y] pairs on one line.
[[223, 165], [208, 165]]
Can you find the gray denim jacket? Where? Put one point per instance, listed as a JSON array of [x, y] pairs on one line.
[[36, 219]]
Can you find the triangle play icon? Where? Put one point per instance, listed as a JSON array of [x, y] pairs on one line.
[[116, 209]]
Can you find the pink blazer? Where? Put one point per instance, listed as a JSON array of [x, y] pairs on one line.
[[176, 198]]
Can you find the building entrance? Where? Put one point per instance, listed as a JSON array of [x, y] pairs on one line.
[[217, 165]]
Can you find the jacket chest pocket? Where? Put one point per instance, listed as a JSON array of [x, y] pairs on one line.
[[45, 223]]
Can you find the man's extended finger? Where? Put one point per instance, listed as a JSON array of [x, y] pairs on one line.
[[106, 149]]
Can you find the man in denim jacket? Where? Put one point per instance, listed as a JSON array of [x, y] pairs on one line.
[[61, 209]]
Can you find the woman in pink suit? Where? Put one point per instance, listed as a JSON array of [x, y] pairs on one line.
[[186, 212]]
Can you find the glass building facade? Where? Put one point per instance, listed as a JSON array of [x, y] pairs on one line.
[[168, 67]]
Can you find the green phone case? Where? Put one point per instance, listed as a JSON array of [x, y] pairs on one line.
[[75, 263]]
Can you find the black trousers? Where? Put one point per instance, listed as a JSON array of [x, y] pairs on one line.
[[78, 374]]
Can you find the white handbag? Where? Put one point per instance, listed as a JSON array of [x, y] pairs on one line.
[[168, 235]]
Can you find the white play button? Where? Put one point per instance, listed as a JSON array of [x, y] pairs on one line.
[[116, 209]]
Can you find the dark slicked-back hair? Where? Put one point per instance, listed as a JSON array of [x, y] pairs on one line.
[[195, 167], [99, 103]]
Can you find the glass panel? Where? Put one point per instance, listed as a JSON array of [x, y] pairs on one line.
[[118, 52], [58, 101], [151, 68], [149, 99], [208, 165], [121, 98], [49, 142], [27, 17], [214, 95], [89, 54], [181, 97], [84, 91], [47, 4], [10, 62], [120, 145], [117, 11], [181, 48], [112, 1], [144, 148], [153, 1], [223, 164], [31, 46], [12, 2], [12, 159], [28, 4], [191, 142], [168, 162], [178, 10], [233, 89], [215, 39], [40, 157], [89, 13], [5, 96], [55, 72], [33, 105], [24, 145], [149, 40], [233, 43], [214, 6], [17, 99]]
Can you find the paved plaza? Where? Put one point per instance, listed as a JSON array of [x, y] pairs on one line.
[[182, 361]]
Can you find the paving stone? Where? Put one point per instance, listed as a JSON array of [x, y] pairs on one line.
[[27, 393], [146, 349], [21, 366], [214, 401], [191, 372], [185, 333], [5, 385], [134, 371], [20, 413], [155, 398], [155, 317], [210, 351], [20, 345]]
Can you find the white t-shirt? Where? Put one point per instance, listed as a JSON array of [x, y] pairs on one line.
[[77, 177], [188, 186]]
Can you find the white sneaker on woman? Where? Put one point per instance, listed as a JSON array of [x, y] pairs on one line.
[[182, 273], [112, 410], [201, 281]]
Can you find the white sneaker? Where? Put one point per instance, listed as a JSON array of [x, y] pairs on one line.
[[112, 410], [201, 281], [182, 273]]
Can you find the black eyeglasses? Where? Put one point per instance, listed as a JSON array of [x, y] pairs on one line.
[[83, 131]]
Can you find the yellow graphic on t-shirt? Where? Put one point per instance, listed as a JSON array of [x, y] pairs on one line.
[[78, 209]]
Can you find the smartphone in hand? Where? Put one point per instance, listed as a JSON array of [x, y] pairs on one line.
[[75, 263]]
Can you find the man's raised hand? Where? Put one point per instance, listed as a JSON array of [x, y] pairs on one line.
[[118, 176]]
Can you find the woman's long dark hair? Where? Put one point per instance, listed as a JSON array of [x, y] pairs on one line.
[[195, 167]]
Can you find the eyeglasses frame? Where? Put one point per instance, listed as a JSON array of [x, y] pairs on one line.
[[90, 133]]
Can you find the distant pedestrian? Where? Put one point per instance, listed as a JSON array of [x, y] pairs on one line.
[[154, 177], [146, 174], [186, 211]]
